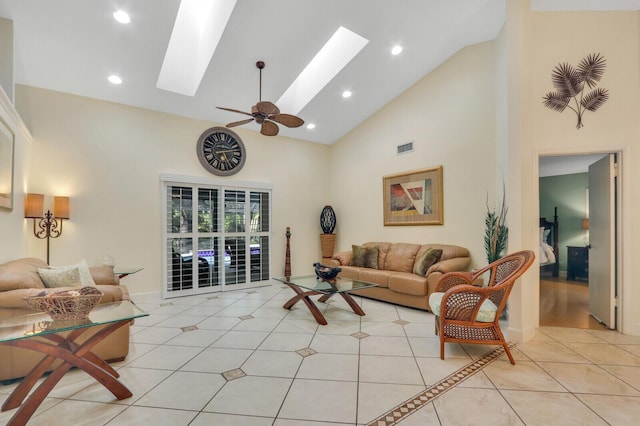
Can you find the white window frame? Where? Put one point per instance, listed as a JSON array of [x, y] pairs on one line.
[[222, 185]]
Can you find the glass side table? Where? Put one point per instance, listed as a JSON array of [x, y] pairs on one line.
[[38, 332], [123, 272]]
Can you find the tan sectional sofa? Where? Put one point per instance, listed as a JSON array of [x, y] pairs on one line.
[[396, 263], [19, 279]]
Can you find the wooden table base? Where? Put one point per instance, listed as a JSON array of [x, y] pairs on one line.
[[304, 296], [73, 355]]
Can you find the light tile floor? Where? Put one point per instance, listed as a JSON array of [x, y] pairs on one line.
[[239, 358]]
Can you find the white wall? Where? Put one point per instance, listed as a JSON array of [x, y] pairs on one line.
[[108, 158], [450, 116]]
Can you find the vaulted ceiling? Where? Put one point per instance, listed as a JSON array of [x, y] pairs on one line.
[[75, 45]]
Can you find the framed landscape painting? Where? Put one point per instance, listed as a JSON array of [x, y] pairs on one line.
[[413, 198], [6, 168]]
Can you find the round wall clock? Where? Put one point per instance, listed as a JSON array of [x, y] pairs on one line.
[[221, 151]]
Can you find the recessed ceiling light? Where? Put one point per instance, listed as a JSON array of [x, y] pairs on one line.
[[196, 32], [396, 50], [339, 50], [114, 79], [121, 16], [346, 94], [311, 126]]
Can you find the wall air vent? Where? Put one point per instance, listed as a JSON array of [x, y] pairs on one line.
[[405, 148]]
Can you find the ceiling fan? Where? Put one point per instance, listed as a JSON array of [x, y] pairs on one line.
[[266, 114]]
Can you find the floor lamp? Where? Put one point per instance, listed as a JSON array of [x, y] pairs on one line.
[[50, 224]]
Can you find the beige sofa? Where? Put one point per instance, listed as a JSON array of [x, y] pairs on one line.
[[19, 279], [394, 275]]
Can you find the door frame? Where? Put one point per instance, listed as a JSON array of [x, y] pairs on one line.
[[623, 261]]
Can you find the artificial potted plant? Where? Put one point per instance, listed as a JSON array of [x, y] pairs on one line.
[[496, 232]]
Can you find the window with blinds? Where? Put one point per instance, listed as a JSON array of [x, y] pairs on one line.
[[216, 237]]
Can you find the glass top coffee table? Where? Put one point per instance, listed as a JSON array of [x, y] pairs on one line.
[[309, 285], [38, 332]]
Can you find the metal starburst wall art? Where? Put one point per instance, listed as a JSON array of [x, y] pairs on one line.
[[569, 84]]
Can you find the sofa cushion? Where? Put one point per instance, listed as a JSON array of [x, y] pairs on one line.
[[366, 257], [401, 257], [21, 273], [376, 276], [408, 283], [487, 312], [83, 269], [425, 260], [350, 272], [68, 277]]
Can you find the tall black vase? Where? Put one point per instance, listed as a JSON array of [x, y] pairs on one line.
[[328, 220]]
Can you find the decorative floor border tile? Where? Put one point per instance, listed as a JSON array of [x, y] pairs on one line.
[[407, 408]]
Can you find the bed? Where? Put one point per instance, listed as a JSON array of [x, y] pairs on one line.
[[549, 251]]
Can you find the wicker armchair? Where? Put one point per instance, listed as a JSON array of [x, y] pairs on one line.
[[468, 313]]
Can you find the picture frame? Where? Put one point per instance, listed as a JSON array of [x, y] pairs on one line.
[[414, 197], [6, 167]]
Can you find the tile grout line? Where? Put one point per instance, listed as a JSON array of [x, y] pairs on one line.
[[413, 404]]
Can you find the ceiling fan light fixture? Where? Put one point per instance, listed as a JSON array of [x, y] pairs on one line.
[[396, 50], [311, 126], [347, 94], [115, 79]]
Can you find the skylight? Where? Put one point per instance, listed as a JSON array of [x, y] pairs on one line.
[[341, 48], [198, 28]]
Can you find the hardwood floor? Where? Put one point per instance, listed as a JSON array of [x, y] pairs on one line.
[[566, 304]]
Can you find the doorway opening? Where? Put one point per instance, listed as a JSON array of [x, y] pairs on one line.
[[578, 289]]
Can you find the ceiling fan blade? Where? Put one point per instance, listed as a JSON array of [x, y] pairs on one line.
[[235, 110], [240, 123], [287, 119], [269, 128], [268, 108]]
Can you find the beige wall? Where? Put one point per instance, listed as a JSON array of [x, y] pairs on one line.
[[108, 158], [547, 39], [450, 115]]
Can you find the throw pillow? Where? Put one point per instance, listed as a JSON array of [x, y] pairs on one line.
[[364, 257], [83, 268], [60, 277], [426, 260]]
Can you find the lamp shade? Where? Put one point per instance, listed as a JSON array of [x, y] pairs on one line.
[[585, 223], [33, 205], [61, 207]]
